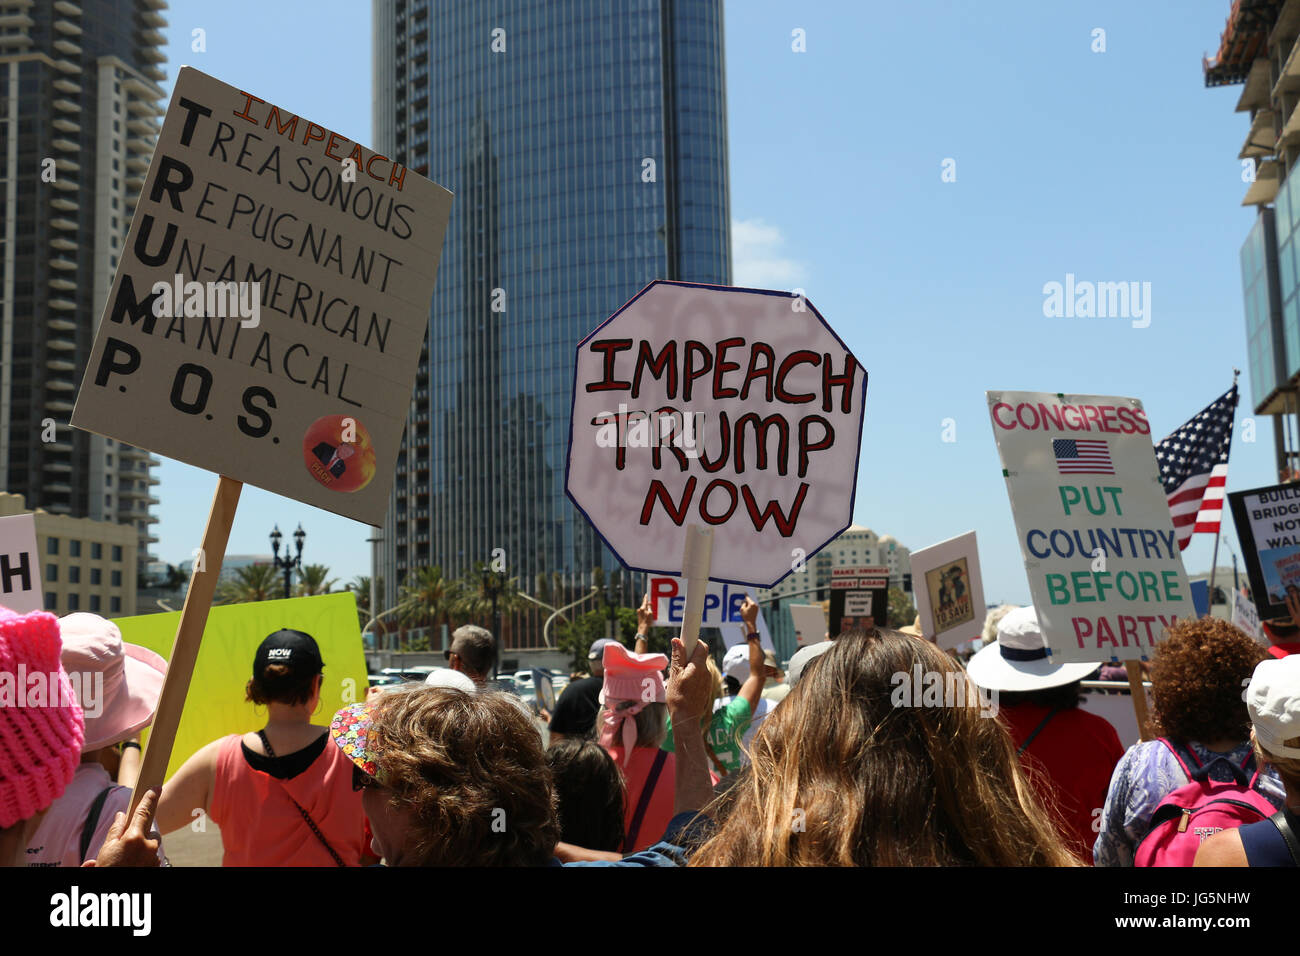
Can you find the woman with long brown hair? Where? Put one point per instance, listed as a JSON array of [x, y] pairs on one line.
[[882, 755]]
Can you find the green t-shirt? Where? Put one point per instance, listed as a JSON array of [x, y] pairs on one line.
[[724, 734]]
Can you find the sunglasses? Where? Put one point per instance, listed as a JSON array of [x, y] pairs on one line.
[[361, 780]]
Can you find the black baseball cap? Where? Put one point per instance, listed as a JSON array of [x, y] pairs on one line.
[[294, 648]]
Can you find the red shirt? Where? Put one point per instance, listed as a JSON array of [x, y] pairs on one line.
[[660, 811], [1070, 763]]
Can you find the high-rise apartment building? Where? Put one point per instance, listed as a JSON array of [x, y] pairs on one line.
[[79, 108], [1259, 50], [586, 146]]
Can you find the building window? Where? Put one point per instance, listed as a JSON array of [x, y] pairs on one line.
[[96, 551], [51, 545], [94, 602], [108, 501], [116, 579], [74, 574], [117, 552], [96, 576], [74, 548], [108, 481], [51, 600], [74, 602], [115, 605], [52, 572]]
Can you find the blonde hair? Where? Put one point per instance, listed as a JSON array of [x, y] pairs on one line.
[[1288, 768], [842, 776]]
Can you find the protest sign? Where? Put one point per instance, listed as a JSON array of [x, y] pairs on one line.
[[859, 599], [20, 565], [1200, 591], [1245, 617], [544, 689], [215, 705], [1268, 527], [1093, 521], [721, 601], [736, 410], [267, 315], [809, 623], [949, 590], [248, 207]]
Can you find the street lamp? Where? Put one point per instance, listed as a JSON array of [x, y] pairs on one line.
[[288, 564], [493, 582]]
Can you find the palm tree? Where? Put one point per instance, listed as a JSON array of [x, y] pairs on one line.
[[360, 586], [428, 599], [314, 579], [258, 582], [477, 587]]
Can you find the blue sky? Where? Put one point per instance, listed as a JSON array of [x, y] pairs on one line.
[[1113, 166]]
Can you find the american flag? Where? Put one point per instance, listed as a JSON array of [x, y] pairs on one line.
[[1078, 456], [1194, 468]]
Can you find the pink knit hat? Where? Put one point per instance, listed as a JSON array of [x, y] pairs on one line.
[[41, 725], [634, 680], [630, 676]]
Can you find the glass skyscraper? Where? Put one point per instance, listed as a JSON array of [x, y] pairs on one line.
[[586, 146], [79, 106]]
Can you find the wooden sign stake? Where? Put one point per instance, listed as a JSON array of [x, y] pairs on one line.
[[697, 558], [1139, 695], [189, 633]]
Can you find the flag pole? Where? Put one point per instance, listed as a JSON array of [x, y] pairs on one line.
[[1214, 564]]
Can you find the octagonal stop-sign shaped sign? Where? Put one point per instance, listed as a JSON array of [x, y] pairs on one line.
[[737, 410]]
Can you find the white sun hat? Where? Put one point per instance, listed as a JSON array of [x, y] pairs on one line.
[[1018, 659]]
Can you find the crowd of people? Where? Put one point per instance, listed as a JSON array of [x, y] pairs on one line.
[[653, 761]]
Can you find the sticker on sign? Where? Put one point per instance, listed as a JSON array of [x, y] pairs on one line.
[[738, 410], [267, 316]]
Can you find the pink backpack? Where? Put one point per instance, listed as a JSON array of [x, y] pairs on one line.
[[1189, 815]]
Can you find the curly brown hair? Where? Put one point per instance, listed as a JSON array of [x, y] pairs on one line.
[[1198, 673], [471, 771]]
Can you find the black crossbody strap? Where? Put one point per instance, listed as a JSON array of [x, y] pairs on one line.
[[301, 809], [1283, 823], [644, 803], [1034, 733], [92, 821]]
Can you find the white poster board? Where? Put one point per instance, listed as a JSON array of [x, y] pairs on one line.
[[809, 623], [1246, 617], [268, 313], [949, 590], [20, 565], [1093, 521], [721, 607], [736, 410]]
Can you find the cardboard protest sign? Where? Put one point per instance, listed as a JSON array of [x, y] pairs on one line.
[[1268, 526], [544, 688], [267, 316], [809, 623], [1245, 617], [721, 601], [20, 565], [858, 609], [1100, 550], [215, 705], [949, 590], [734, 410]]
